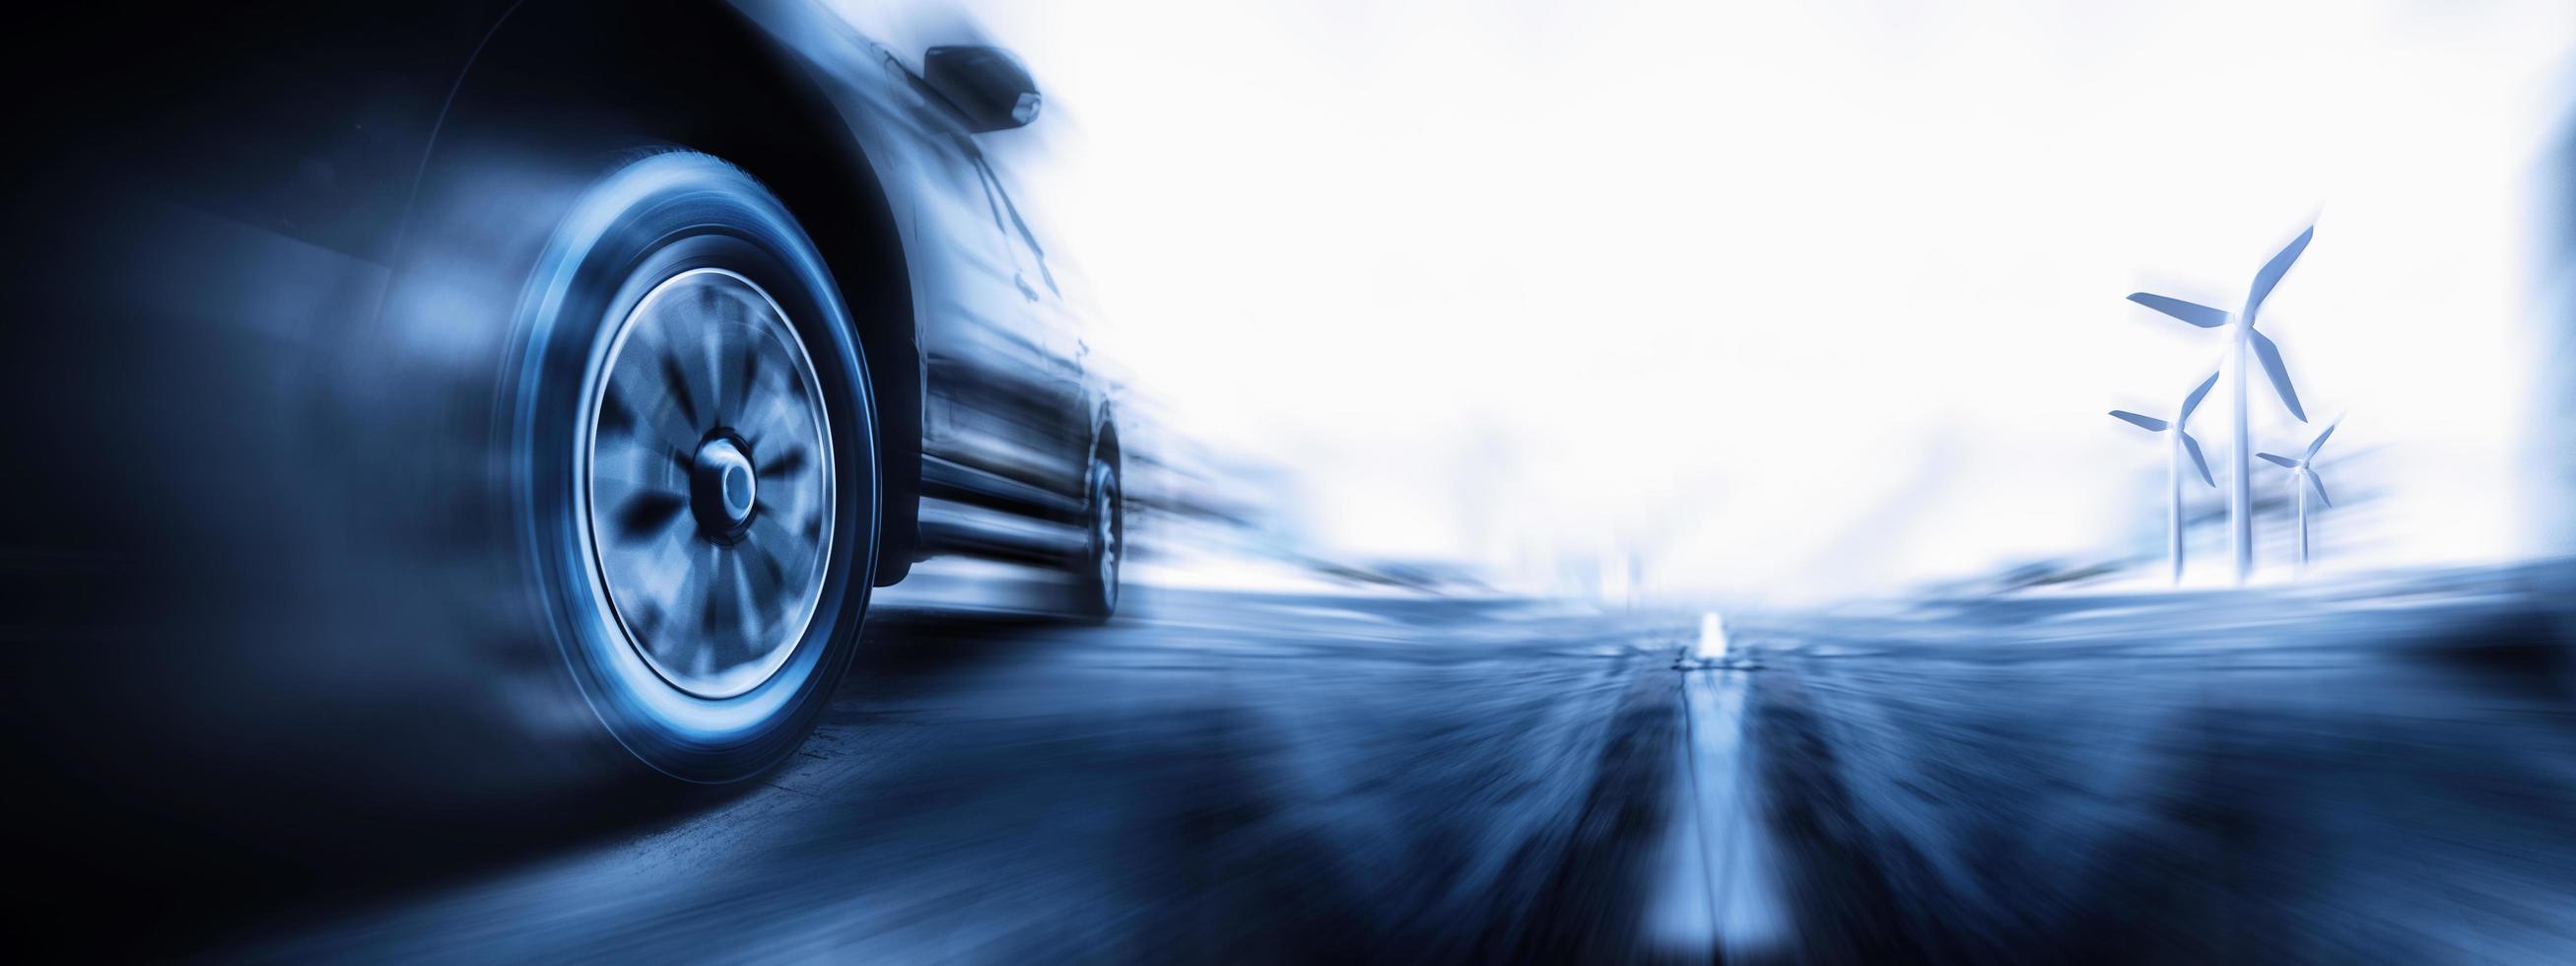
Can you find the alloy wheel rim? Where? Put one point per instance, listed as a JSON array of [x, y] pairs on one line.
[[1105, 527], [707, 483]]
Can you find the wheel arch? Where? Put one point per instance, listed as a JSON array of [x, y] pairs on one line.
[[1104, 438]]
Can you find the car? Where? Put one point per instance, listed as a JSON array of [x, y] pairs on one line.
[[650, 336]]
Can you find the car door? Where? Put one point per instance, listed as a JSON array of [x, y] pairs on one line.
[[996, 389], [1053, 327]]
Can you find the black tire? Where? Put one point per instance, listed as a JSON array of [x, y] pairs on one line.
[[642, 227], [1105, 550]]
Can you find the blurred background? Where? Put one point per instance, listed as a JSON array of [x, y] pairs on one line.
[[1600, 295]]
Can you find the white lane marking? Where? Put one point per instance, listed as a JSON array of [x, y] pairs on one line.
[[1722, 890], [1712, 638]]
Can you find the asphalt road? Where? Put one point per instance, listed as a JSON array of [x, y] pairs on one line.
[[2360, 773], [1234, 776]]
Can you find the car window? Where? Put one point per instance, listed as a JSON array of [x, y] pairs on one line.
[[1006, 216]]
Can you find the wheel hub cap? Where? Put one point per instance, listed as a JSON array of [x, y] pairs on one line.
[[723, 489]]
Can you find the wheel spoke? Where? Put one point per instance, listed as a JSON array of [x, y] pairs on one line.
[[705, 595], [734, 355], [657, 575], [652, 419], [678, 383], [615, 416], [672, 426], [648, 514], [769, 575], [719, 599], [787, 463], [771, 531], [752, 350], [752, 618], [714, 322], [774, 419]]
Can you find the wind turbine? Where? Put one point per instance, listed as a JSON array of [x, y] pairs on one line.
[[2177, 443], [2303, 470], [2241, 334]]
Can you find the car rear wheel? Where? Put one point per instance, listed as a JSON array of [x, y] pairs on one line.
[[1105, 522]]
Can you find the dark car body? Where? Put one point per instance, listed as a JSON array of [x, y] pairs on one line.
[[232, 171], [261, 557]]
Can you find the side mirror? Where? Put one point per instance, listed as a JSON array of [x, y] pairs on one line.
[[986, 85]]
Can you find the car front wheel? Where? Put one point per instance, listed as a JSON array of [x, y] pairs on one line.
[[696, 464]]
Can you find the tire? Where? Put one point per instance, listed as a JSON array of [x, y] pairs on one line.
[[1105, 521], [695, 465]]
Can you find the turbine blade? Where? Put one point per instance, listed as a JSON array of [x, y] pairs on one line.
[[2192, 312], [2320, 487], [2192, 401], [2271, 356], [2193, 446], [2275, 459], [2142, 422], [2272, 272], [2321, 437]]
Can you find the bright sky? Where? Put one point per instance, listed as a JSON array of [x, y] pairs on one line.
[[1796, 299]]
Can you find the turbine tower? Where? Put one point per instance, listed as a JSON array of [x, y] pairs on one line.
[[2303, 470], [2241, 335], [2177, 443]]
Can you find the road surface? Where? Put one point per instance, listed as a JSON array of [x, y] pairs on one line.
[[2374, 772]]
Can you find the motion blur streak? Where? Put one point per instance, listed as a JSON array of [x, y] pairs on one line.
[[1826, 625], [2368, 772]]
